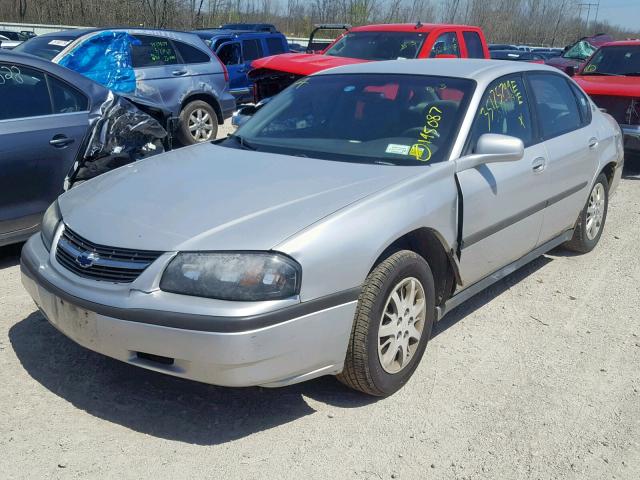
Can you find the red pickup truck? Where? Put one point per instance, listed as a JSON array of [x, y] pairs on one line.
[[370, 43]]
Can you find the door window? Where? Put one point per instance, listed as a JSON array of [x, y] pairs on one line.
[[66, 99], [583, 105], [23, 91], [556, 104], [446, 44], [251, 49], [153, 52], [229, 54], [275, 45], [474, 44], [191, 54], [504, 109]]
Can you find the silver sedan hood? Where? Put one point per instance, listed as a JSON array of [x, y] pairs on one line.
[[208, 197]]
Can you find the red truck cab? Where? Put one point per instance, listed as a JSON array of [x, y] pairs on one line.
[[370, 43]]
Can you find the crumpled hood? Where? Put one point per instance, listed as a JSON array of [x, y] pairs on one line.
[[562, 63], [302, 63], [608, 85], [208, 197]]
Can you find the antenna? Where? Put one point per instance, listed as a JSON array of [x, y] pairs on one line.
[[418, 25]]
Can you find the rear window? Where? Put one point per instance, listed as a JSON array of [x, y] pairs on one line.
[[44, 47], [275, 46], [191, 54], [474, 44]]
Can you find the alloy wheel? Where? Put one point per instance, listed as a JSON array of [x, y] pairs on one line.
[[401, 325], [200, 125], [595, 211]]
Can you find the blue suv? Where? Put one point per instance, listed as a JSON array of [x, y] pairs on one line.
[[236, 49]]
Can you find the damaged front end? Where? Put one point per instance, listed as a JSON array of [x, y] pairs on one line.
[[626, 111], [267, 82], [122, 130]]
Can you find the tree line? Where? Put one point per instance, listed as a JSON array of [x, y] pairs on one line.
[[535, 22]]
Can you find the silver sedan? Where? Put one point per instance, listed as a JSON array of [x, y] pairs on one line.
[[334, 228]]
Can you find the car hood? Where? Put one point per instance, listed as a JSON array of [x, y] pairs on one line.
[[562, 63], [609, 85], [208, 197], [302, 63]]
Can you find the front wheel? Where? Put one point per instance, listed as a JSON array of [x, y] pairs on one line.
[[591, 220], [393, 321], [198, 123]]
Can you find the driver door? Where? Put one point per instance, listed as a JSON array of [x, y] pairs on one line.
[[502, 202], [230, 54]]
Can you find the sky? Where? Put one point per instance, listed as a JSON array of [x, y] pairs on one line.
[[625, 13]]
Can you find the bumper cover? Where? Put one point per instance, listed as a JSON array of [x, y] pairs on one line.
[[295, 345]]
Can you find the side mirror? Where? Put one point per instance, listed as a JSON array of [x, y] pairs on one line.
[[243, 114], [570, 70], [492, 148]]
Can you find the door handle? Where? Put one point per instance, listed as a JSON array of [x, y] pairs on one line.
[[179, 73], [60, 141], [593, 143], [538, 165]]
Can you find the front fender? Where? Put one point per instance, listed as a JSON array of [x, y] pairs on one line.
[[337, 252]]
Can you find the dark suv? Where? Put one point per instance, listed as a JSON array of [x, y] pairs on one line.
[[238, 48]]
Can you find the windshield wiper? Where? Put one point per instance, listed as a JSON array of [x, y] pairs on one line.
[[243, 143], [605, 74]]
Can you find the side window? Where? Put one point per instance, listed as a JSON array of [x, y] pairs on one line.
[[191, 54], [583, 105], [23, 91], [251, 50], [153, 52], [66, 99], [556, 104], [275, 45], [474, 44], [504, 109], [446, 44], [229, 54]]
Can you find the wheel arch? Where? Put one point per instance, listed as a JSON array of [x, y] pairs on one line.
[[207, 98], [430, 245]]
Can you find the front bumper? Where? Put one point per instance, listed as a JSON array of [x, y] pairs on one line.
[[286, 350], [631, 135]]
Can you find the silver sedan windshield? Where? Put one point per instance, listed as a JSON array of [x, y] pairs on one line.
[[369, 118]]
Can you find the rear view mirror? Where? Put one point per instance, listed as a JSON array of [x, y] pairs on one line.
[[492, 148]]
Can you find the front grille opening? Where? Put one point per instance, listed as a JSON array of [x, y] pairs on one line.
[[108, 264], [155, 358]]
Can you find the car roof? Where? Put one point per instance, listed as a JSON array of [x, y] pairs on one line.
[[86, 85], [623, 43], [77, 33], [409, 27], [475, 69], [212, 32]]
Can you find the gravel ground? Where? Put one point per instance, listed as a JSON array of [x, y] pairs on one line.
[[536, 378]]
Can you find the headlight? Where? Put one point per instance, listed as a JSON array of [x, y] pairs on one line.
[[50, 221], [238, 276]]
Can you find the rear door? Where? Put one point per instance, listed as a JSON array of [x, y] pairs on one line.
[[572, 144], [159, 74], [446, 44], [43, 121], [230, 54], [502, 202]]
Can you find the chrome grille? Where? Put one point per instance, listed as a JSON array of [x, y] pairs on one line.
[[98, 262]]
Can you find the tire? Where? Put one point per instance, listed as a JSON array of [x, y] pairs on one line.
[[364, 369], [198, 123], [586, 234]]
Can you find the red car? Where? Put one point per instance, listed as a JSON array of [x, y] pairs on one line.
[[578, 53], [612, 78], [370, 43]]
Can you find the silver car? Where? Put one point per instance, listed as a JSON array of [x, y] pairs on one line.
[[328, 235]]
